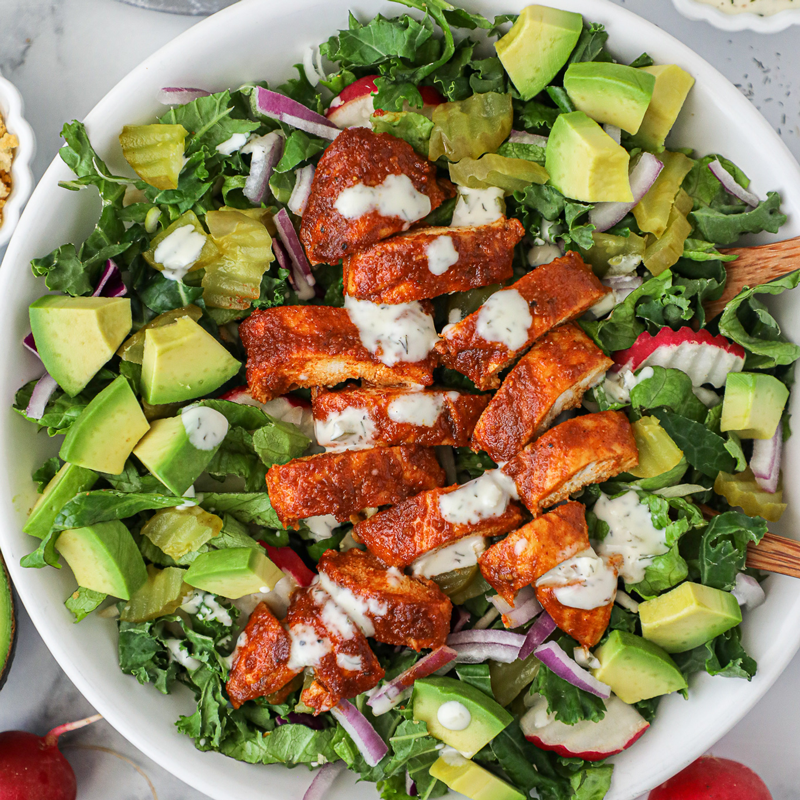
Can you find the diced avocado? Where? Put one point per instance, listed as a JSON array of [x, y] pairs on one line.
[[107, 430], [741, 490], [585, 163], [610, 93], [479, 720], [168, 452], [537, 46], [753, 404], [183, 362], [104, 557], [155, 152], [161, 594], [636, 669], [7, 623], [132, 349], [65, 484], [465, 776], [687, 616], [178, 531], [657, 452], [670, 92], [653, 210], [76, 336], [233, 572]]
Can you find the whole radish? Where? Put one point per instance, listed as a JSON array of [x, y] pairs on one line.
[[32, 767], [711, 778]]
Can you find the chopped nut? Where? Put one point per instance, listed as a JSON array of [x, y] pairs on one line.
[[8, 143]]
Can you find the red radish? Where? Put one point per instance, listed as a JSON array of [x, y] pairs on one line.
[[711, 778], [286, 560], [32, 767], [592, 741], [285, 409], [703, 357]]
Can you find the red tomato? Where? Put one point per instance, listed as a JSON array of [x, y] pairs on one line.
[[712, 778]]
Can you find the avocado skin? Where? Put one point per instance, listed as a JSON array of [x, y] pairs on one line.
[[7, 657]]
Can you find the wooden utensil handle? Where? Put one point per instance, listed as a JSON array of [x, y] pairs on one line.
[[775, 554]]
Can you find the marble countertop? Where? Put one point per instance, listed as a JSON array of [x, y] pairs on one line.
[[64, 55]]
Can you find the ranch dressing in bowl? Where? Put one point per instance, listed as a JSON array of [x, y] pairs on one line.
[[763, 7]]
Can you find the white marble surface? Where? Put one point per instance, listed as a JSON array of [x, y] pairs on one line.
[[64, 55]]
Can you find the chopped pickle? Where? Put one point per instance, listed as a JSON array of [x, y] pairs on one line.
[[233, 278], [456, 580], [469, 128], [162, 594], [508, 680], [509, 174], [616, 255], [178, 531], [155, 152], [262, 215], [475, 588], [132, 349], [663, 253], [742, 490], [652, 212], [207, 254], [657, 452]]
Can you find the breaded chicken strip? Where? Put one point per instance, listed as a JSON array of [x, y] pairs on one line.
[[574, 454], [342, 484], [400, 535], [550, 378], [367, 187], [387, 605], [289, 347], [365, 417], [527, 553], [488, 340], [429, 262]]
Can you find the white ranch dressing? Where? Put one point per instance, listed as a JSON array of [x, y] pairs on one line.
[[505, 318], [178, 652], [206, 607], [618, 386], [478, 207], [322, 526], [348, 429], [179, 251], [230, 146], [441, 254], [417, 408], [631, 534], [762, 7], [190, 493], [348, 662], [454, 716], [308, 647], [357, 608], [334, 618], [482, 498], [205, 427], [395, 197], [460, 554], [584, 581], [393, 333]]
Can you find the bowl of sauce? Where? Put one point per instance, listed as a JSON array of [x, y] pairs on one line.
[[762, 16]]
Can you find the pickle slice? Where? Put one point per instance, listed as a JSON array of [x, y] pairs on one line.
[[742, 490], [155, 152], [181, 531], [162, 594]]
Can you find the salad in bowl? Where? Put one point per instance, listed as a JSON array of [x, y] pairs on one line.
[[395, 425]]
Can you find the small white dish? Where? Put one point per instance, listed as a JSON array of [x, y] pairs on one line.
[[744, 21]]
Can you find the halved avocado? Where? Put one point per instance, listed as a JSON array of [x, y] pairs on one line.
[[7, 623]]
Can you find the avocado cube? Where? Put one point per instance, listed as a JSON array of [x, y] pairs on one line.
[[65, 484], [107, 430], [104, 557], [484, 717], [687, 616], [669, 94], [537, 46], [636, 669], [585, 163], [465, 776], [610, 93], [181, 362], [233, 572], [753, 404], [76, 336]]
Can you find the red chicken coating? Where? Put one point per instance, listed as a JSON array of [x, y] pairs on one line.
[[359, 156], [555, 293], [403, 268]]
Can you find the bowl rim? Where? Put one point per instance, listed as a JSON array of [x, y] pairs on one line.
[[744, 21], [12, 108]]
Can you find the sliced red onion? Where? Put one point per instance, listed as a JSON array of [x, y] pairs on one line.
[[277, 106], [622, 285], [766, 460], [477, 653], [40, 396], [525, 607], [748, 592], [411, 786], [312, 65], [178, 95], [30, 344], [301, 269], [462, 618], [309, 720], [729, 184], [537, 633], [266, 152], [614, 132], [393, 693], [302, 190], [626, 601], [323, 780], [605, 215], [110, 284], [506, 638], [523, 137], [553, 656], [364, 736], [486, 620]]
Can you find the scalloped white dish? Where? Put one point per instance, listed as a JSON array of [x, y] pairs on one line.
[[743, 21], [261, 39]]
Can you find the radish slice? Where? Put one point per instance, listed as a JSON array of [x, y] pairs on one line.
[[30, 344], [766, 460], [278, 106], [110, 284], [266, 152], [302, 190], [364, 736], [729, 184], [301, 269], [553, 656], [525, 607], [178, 95], [605, 215], [286, 560], [748, 592], [523, 137], [323, 780], [538, 632], [40, 396], [614, 132]]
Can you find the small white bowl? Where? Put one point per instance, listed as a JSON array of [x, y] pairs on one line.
[[744, 21], [11, 108]]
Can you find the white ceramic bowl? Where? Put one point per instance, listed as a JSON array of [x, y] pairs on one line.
[[261, 39], [11, 109], [744, 21]]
